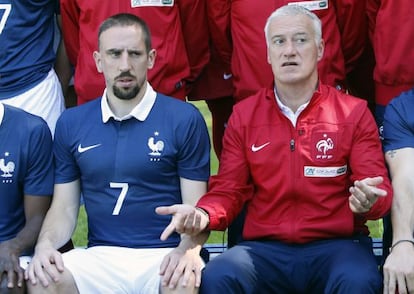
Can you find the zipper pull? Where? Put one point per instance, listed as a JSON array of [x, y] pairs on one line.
[[292, 145]]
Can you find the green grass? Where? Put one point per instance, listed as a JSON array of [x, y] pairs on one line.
[[80, 234]]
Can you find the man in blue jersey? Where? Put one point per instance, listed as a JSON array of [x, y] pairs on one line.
[[27, 57], [26, 186], [399, 153], [127, 153]]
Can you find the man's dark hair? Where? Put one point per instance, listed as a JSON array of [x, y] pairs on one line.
[[124, 20]]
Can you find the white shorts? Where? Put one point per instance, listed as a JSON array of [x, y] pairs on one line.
[[107, 269], [45, 100]]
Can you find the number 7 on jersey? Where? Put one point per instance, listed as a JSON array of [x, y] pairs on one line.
[[124, 190], [4, 16]]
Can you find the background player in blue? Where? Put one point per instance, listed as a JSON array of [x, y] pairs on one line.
[[399, 154], [27, 57], [26, 184], [128, 152]]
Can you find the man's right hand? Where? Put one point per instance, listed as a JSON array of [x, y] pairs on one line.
[[46, 265], [186, 220]]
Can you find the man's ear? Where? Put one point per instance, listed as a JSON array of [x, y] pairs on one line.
[[98, 61], [321, 49], [152, 54]]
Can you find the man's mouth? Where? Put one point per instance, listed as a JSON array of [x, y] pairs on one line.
[[125, 82], [289, 63]]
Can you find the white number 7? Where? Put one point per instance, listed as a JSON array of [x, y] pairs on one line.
[[121, 197], [7, 9]]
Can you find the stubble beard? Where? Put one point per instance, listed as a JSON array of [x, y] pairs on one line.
[[126, 93]]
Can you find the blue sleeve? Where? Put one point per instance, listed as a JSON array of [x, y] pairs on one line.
[[194, 154], [399, 123], [39, 175], [65, 165]]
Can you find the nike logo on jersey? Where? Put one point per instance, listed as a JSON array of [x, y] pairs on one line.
[[257, 148], [84, 149], [227, 76]]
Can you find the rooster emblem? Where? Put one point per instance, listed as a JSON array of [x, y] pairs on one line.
[[156, 147], [7, 169], [325, 145]]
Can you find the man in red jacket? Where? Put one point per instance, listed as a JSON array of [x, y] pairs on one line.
[[181, 53], [237, 32], [306, 161]]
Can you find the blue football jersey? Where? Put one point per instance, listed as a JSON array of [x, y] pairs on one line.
[[26, 166], [26, 38], [399, 122], [128, 168]]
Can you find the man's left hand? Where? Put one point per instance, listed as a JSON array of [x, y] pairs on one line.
[[365, 193]]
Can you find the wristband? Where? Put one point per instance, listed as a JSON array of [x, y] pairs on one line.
[[206, 214], [401, 241]]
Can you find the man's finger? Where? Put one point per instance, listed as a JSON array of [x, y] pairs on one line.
[[164, 210], [167, 231], [20, 278], [10, 279]]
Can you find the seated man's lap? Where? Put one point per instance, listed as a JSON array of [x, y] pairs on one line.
[[269, 266], [107, 269]]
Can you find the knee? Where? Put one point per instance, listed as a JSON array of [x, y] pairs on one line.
[[214, 273], [189, 288], [64, 284], [6, 290], [357, 282], [227, 277], [40, 289]]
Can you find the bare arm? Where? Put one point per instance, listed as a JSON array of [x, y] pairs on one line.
[[191, 192], [35, 208], [62, 65], [185, 259], [399, 266], [57, 229]]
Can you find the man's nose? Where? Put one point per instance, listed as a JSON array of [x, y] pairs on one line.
[[124, 64], [290, 48]]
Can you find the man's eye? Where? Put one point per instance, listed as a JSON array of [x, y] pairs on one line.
[[301, 40], [278, 41], [115, 53]]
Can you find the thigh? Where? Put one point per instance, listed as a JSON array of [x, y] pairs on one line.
[[107, 269], [344, 266], [250, 267]]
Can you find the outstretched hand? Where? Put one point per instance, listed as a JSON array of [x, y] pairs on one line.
[[365, 193], [186, 219]]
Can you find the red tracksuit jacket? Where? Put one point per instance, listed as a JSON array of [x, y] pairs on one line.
[[295, 180]]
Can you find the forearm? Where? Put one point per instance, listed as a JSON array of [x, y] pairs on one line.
[[26, 238], [193, 242], [57, 229], [61, 219], [402, 211]]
